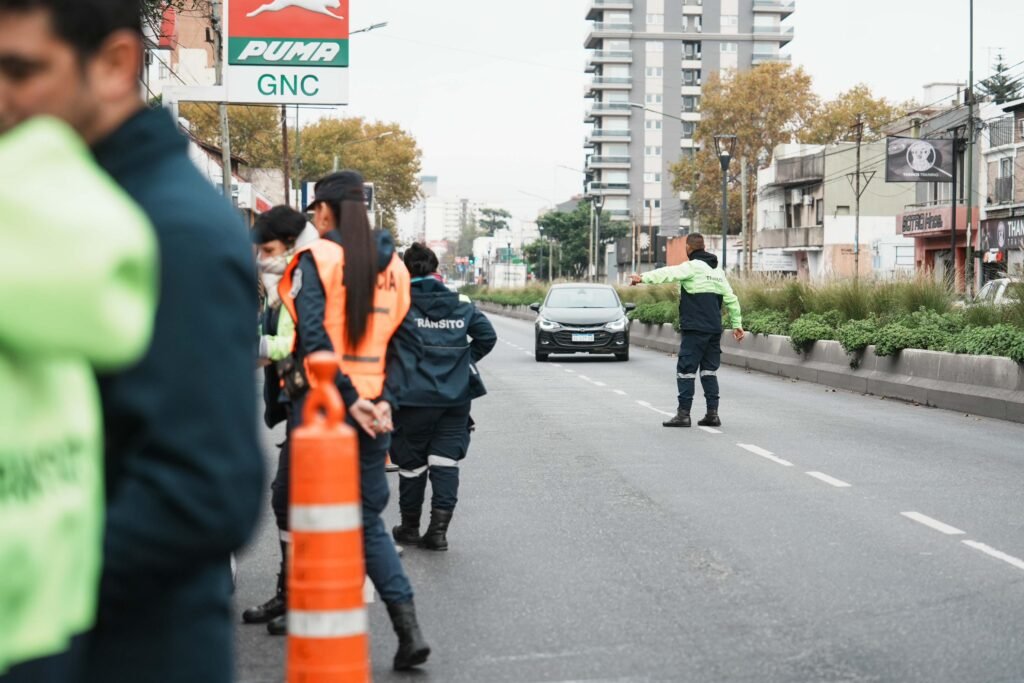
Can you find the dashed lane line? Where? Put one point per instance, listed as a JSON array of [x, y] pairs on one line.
[[710, 430], [757, 450], [935, 524], [620, 392], [998, 554], [647, 405], [831, 481], [599, 384]]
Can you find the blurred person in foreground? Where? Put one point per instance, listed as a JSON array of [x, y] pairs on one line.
[[184, 473], [78, 294], [432, 425]]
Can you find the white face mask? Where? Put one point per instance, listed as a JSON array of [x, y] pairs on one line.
[[271, 271]]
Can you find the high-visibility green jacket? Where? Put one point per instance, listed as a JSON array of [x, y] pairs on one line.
[[703, 291], [77, 291]]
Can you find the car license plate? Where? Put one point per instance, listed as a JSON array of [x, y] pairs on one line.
[[583, 338]]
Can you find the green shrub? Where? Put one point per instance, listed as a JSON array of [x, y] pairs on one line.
[[983, 315], [767, 322], [897, 336], [997, 340], [657, 313], [857, 335], [813, 327]]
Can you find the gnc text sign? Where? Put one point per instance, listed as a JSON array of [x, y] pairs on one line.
[[286, 51]]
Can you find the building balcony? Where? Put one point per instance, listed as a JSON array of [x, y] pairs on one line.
[[765, 59], [794, 239], [782, 7], [618, 163], [600, 109], [800, 170], [597, 8], [601, 31], [783, 34], [599, 135], [617, 214], [1002, 190], [693, 7], [610, 189], [599, 57], [599, 83]]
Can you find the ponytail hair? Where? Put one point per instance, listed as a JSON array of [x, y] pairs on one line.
[[360, 274]]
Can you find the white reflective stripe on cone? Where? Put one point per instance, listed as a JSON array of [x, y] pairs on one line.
[[441, 461], [339, 624], [348, 517], [412, 474]]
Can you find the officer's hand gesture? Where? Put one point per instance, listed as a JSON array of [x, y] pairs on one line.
[[635, 279], [738, 334]]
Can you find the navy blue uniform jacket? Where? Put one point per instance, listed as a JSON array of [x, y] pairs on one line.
[[184, 470]]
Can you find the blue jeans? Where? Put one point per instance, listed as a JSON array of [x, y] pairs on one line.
[[383, 565], [698, 352]]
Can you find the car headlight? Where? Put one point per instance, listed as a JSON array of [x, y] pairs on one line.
[[617, 326], [548, 325]]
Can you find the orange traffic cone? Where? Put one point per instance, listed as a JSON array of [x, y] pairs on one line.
[[327, 621]]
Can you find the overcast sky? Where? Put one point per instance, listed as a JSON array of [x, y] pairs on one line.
[[493, 91]]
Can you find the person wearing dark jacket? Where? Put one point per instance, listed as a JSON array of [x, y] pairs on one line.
[[703, 289], [349, 294], [184, 472], [432, 426]]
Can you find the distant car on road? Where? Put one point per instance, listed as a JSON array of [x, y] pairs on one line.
[[581, 318], [999, 292]]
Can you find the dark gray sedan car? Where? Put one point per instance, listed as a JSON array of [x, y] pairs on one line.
[[582, 318]]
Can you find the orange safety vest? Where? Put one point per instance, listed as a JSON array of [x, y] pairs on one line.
[[366, 363]]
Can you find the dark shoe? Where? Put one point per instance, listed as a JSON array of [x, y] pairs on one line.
[[412, 648], [681, 419], [261, 614], [278, 626], [710, 420], [408, 532], [436, 536]]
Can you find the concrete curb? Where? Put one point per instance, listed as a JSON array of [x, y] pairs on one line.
[[989, 386]]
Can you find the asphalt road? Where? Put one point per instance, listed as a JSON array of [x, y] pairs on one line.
[[820, 536]]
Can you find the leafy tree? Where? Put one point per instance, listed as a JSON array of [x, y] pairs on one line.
[[1000, 86], [391, 162], [835, 120], [255, 131], [572, 232], [763, 107], [492, 220], [468, 233]]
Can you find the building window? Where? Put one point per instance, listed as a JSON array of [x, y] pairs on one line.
[[730, 48], [652, 203], [652, 177], [652, 151], [691, 77], [653, 98], [655, 19], [655, 71], [1005, 168], [688, 129], [691, 49], [653, 124], [655, 46], [730, 20], [687, 153], [691, 104]]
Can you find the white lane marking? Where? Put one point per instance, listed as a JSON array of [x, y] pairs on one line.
[[941, 527], [569, 370], [831, 481], [647, 405], [600, 384], [711, 430], [998, 554], [757, 450], [556, 365], [585, 378], [620, 392]]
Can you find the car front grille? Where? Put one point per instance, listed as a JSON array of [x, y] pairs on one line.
[[564, 337]]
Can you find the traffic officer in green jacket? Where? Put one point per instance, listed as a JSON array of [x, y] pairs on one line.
[[703, 289], [77, 291]]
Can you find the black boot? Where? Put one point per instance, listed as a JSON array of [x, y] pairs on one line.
[[436, 536], [412, 648], [711, 419], [408, 532], [275, 606], [681, 419], [278, 626]]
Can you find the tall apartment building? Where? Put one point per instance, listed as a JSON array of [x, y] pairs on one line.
[[655, 54]]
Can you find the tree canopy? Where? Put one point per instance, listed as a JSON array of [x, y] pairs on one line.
[[1000, 86], [571, 230], [492, 220], [255, 131]]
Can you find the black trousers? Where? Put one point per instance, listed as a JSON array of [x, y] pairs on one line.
[[430, 443], [699, 351]]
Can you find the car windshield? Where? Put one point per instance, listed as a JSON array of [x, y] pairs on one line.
[[583, 297]]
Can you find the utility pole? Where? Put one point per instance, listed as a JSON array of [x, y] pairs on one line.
[[287, 158], [217, 23], [745, 225], [969, 262], [856, 218], [952, 228], [590, 245]]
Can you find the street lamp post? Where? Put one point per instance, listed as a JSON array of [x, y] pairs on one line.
[[508, 266], [598, 200], [724, 147]]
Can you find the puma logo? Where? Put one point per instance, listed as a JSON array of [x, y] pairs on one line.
[[318, 6]]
